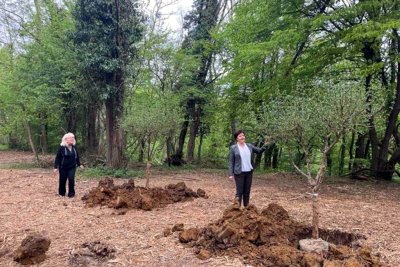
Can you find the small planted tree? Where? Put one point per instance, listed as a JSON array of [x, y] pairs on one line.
[[313, 123], [151, 118]]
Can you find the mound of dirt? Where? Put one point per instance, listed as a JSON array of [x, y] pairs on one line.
[[91, 254], [32, 250], [271, 238], [129, 196]]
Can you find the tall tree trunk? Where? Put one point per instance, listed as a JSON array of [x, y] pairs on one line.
[[115, 134], [275, 156], [200, 146], [170, 147], [177, 158], [194, 129], [92, 140], [381, 166], [114, 137], [148, 163]]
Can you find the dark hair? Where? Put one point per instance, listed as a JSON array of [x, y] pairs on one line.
[[235, 135]]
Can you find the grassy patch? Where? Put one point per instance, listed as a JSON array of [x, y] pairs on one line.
[[396, 179], [101, 172], [3, 147], [19, 166]]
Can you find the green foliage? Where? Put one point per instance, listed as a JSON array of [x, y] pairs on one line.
[[307, 120], [105, 36], [36, 77], [152, 118]]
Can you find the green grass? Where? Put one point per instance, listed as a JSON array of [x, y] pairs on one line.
[[3, 147], [396, 179], [19, 166], [101, 172]]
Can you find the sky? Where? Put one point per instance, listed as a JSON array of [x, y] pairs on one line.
[[174, 11]]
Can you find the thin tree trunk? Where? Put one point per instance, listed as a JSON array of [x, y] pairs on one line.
[[170, 147], [275, 156], [31, 142], [148, 166], [181, 141], [315, 216], [194, 128], [44, 138], [200, 146], [353, 137], [148, 163], [342, 153], [141, 150]]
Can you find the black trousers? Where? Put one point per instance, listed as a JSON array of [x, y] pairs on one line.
[[67, 174], [243, 186]]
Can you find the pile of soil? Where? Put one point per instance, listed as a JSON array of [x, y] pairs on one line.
[[271, 238], [129, 196], [32, 250]]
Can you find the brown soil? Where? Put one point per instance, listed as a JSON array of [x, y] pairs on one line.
[[29, 203], [271, 238], [32, 250], [129, 196]]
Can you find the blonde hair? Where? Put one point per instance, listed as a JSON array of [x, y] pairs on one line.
[[64, 139]]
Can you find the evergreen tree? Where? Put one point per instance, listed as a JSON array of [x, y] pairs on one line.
[[105, 37]]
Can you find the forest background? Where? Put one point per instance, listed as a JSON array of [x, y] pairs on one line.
[[319, 79]]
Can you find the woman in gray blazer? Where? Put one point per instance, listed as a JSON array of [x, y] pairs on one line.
[[241, 166]]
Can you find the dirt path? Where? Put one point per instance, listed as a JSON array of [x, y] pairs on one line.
[[28, 203]]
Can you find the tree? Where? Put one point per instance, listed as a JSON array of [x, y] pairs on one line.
[[272, 45], [40, 77], [199, 23], [105, 37], [314, 120], [152, 118]]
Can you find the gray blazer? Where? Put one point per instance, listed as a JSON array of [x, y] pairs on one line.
[[235, 162]]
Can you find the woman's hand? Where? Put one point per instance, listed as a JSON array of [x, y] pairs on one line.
[[81, 166], [230, 177], [55, 170]]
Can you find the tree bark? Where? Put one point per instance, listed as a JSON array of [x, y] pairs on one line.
[[275, 157], [92, 140], [351, 147], [115, 134], [342, 153], [44, 138], [194, 128], [31, 142], [315, 216]]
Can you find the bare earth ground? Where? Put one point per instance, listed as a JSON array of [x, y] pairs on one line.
[[28, 203]]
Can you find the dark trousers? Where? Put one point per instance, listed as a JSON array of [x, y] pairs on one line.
[[243, 186], [67, 174]]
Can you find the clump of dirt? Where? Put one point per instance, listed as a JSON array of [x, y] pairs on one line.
[[32, 250], [271, 238], [129, 196], [91, 254]]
